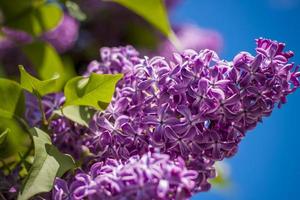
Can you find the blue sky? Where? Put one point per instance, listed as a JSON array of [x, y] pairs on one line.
[[267, 165]]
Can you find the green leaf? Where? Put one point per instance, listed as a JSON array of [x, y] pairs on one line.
[[95, 91], [79, 114], [3, 135], [48, 163], [75, 11], [37, 19], [35, 86], [11, 12], [47, 63], [16, 141], [11, 98], [154, 12]]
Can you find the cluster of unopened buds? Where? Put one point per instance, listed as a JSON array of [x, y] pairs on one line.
[[169, 120]]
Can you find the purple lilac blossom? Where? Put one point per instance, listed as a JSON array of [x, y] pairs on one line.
[[9, 41], [9, 184], [18, 36], [195, 106], [151, 176], [192, 37], [64, 35]]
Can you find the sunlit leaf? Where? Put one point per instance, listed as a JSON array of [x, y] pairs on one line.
[[36, 19], [48, 163], [79, 114], [95, 91], [36, 86]]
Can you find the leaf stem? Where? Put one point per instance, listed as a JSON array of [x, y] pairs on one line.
[[2, 196], [44, 119]]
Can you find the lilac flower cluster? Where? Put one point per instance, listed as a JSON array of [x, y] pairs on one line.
[[197, 106], [152, 176]]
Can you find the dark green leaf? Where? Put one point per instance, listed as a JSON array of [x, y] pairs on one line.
[[47, 63], [17, 140], [35, 86], [154, 12], [48, 163], [95, 91], [11, 98], [11, 12], [79, 114], [37, 19]]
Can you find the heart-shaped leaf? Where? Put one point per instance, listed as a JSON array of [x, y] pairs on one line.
[[79, 114], [36, 86], [95, 91], [48, 163]]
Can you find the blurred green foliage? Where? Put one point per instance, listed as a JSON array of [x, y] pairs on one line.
[[36, 19], [48, 63]]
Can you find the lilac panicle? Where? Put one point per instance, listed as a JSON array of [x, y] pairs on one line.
[[151, 176], [195, 106]]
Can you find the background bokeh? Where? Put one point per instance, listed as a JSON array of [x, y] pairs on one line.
[[267, 165]]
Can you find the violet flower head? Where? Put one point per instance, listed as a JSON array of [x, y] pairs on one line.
[[152, 176], [64, 36], [9, 41], [195, 106], [10, 184], [61, 190]]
